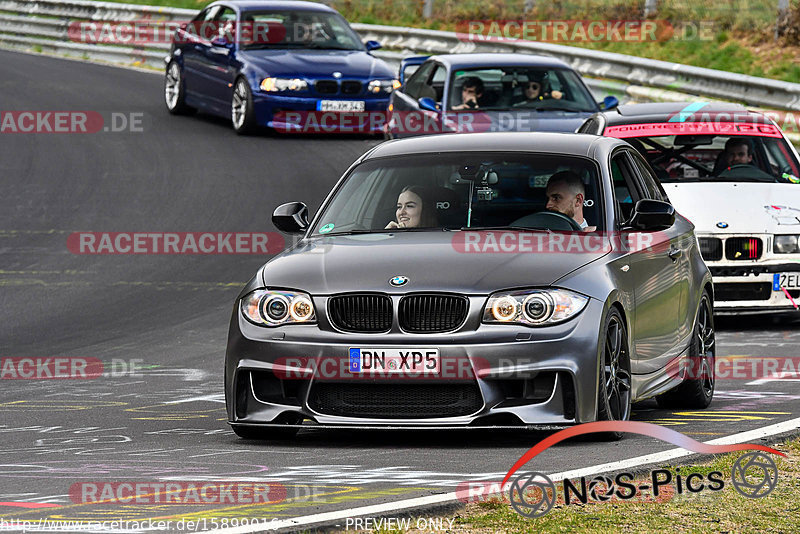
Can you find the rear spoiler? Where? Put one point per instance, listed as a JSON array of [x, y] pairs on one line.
[[410, 62]]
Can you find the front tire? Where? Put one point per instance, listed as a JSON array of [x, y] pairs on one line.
[[697, 388], [243, 116], [614, 387], [175, 91]]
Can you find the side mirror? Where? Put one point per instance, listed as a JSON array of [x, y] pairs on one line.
[[428, 104], [651, 215], [609, 102], [291, 218], [372, 45]]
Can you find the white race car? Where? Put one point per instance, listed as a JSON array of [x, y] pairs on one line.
[[734, 174]]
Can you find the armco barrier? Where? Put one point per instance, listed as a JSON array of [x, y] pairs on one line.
[[42, 25]]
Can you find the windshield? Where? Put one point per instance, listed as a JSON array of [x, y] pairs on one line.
[[302, 29], [715, 158], [462, 190], [519, 88]]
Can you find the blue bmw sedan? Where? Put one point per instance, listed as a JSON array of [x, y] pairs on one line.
[[260, 62]]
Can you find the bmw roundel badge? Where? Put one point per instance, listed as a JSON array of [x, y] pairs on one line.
[[398, 281], [722, 224]]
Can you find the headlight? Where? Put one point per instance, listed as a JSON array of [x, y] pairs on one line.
[[274, 308], [786, 244], [387, 86], [274, 85], [533, 307]]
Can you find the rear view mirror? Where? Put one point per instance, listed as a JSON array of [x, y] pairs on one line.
[[291, 218], [651, 215]]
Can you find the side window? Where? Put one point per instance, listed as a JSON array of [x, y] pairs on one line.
[[414, 84], [227, 15], [626, 193], [227, 24], [434, 88], [652, 187]]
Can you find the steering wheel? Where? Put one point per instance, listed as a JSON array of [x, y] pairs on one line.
[[744, 170], [551, 220]]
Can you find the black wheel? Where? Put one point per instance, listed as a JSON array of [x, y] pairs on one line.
[[243, 114], [697, 388], [614, 388], [175, 92], [266, 433]]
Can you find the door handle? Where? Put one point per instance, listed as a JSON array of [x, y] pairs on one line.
[[674, 254]]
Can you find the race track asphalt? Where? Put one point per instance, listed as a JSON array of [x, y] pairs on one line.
[[170, 313]]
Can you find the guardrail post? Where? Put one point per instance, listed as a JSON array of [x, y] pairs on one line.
[[427, 9], [783, 13], [650, 8]]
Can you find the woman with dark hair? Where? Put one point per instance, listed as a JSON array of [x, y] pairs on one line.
[[414, 209]]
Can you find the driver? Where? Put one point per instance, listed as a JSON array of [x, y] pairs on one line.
[[471, 91], [738, 151], [565, 195]]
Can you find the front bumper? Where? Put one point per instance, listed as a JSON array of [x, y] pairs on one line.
[[748, 289], [502, 375], [299, 114]]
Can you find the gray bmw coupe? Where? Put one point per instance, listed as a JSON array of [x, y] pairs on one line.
[[469, 280]]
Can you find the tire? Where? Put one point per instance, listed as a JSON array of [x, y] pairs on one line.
[[266, 433], [243, 116], [697, 388], [175, 91], [614, 387]]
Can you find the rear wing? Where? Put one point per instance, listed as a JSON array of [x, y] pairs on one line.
[[415, 61]]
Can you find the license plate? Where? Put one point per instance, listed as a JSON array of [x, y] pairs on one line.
[[786, 280], [394, 360], [340, 105]]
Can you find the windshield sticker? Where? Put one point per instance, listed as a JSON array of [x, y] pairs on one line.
[[327, 228], [683, 128]]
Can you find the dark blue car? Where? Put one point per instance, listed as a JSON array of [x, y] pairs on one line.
[[489, 92], [260, 63]]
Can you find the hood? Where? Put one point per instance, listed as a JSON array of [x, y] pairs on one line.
[[432, 261], [746, 208], [317, 63], [520, 121]]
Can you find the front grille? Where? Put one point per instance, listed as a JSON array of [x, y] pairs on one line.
[[743, 248], [743, 291], [366, 312], [351, 87], [432, 313], [710, 248], [327, 87], [395, 401]]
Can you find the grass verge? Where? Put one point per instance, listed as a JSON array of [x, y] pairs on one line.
[[706, 511]]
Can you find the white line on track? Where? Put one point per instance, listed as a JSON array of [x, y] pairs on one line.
[[443, 498]]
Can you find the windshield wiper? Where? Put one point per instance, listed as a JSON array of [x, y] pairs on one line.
[[317, 46]]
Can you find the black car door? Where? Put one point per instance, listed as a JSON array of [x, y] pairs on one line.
[[648, 271]]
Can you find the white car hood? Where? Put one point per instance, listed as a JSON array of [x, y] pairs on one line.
[[738, 207]]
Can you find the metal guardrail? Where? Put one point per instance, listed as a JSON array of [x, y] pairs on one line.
[[43, 24]]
